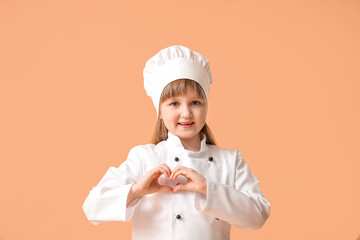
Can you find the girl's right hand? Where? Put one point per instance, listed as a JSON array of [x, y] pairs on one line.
[[149, 182]]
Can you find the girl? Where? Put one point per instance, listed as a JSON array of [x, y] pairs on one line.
[[182, 186]]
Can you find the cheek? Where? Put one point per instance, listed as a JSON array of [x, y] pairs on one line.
[[169, 120], [201, 113]]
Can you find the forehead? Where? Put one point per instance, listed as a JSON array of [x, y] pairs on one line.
[[188, 93], [182, 87]]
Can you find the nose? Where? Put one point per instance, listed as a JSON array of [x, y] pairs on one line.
[[186, 112]]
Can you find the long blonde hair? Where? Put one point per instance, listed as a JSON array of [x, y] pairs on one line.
[[174, 89]]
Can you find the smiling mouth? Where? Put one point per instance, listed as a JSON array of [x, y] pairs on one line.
[[186, 124]]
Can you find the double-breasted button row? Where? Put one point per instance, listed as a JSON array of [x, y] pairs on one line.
[[210, 159]]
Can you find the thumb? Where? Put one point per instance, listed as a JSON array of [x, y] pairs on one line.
[[180, 187], [164, 188]]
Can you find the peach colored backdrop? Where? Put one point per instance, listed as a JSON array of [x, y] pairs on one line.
[[286, 93]]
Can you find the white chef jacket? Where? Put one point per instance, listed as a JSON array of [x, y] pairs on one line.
[[233, 194]]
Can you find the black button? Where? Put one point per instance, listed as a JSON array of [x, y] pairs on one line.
[[176, 159], [178, 216], [211, 159]]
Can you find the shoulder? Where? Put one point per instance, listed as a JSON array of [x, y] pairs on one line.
[[142, 149]]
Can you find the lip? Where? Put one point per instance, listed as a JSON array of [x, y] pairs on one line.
[[187, 124]]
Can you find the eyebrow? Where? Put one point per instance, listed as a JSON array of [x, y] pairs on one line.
[[177, 99]]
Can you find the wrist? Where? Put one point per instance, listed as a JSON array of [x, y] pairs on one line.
[[204, 188], [135, 191]]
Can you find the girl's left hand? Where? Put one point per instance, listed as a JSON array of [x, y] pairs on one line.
[[195, 182]]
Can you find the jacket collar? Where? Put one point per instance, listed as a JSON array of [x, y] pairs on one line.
[[174, 143]]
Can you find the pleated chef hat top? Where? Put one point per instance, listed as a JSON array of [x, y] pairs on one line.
[[173, 63]]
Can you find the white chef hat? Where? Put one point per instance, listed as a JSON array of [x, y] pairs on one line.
[[173, 63]]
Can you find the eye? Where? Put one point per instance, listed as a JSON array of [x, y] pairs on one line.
[[174, 104], [196, 102]]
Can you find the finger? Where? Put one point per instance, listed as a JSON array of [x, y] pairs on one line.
[[164, 188], [185, 172], [175, 170], [166, 167], [166, 170], [161, 169], [180, 187], [156, 173]]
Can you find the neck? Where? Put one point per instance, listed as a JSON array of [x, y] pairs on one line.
[[193, 144]]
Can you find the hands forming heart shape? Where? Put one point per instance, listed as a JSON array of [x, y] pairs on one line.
[[149, 182]]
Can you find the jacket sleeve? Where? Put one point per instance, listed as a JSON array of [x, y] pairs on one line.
[[242, 205], [107, 201]]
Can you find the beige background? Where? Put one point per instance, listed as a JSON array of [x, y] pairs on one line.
[[285, 93]]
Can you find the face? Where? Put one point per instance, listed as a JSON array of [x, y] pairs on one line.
[[184, 116]]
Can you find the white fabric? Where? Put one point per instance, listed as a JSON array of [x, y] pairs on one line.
[[172, 63], [233, 194]]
